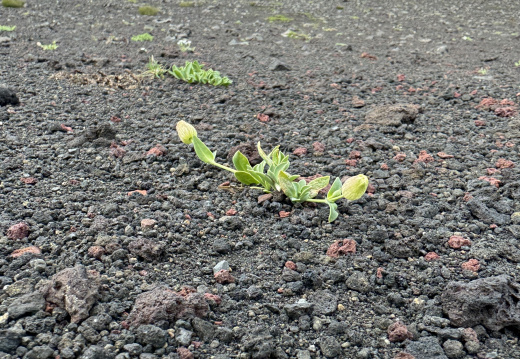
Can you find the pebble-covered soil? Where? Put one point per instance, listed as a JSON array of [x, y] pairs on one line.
[[117, 242]]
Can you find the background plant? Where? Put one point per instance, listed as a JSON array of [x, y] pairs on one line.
[[185, 45], [142, 37], [192, 72], [155, 69], [7, 28], [13, 3], [271, 174], [49, 47]]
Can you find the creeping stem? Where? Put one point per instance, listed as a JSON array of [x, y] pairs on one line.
[[223, 167]]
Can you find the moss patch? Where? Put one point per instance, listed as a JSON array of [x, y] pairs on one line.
[[13, 3], [279, 18], [142, 37], [148, 10]]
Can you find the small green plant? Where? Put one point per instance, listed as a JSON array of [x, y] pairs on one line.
[[13, 3], [296, 35], [7, 28], [517, 64], [192, 72], [482, 71], [185, 45], [148, 10], [279, 18], [186, 4], [155, 69], [50, 47], [467, 38], [142, 37], [275, 177]]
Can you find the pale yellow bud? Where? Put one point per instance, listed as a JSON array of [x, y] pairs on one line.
[[186, 132], [354, 187]]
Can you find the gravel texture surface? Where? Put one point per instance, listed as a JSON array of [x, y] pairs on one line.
[[117, 242]]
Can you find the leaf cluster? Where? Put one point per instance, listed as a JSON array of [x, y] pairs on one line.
[[7, 28], [142, 37], [49, 47], [193, 72]]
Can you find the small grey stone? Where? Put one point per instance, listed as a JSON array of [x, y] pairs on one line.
[[277, 65], [151, 334], [324, 302], [358, 282], [303, 354], [426, 348], [453, 349], [330, 347], [224, 334], [442, 49], [183, 336], [39, 352], [220, 245], [204, 330], [11, 338], [298, 309], [486, 214], [222, 265], [26, 304], [133, 349]]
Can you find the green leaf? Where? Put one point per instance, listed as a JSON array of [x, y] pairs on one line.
[[203, 151], [263, 179], [292, 177], [262, 154], [333, 213], [318, 184], [259, 167], [286, 185], [335, 189], [245, 178], [240, 161]]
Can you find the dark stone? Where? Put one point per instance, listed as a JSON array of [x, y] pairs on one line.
[[8, 97], [26, 304], [39, 352], [147, 249], [259, 343], [330, 347], [492, 302], [150, 334], [426, 348], [10, 339], [486, 214], [324, 302], [204, 330]]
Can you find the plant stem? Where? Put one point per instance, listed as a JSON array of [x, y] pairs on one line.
[[317, 200], [224, 167]]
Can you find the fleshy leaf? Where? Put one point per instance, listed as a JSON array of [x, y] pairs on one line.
[[335, 189], [286, 185], [240, 161], [203, 151], [318, 184], [245, 178], [263, 155], [333, 211]]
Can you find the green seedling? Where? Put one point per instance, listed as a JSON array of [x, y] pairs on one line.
[[142, 37], [185, 45], [279, 18], [271, 174], [467, 38], [296, 35], [13, 3], [148, 10], [50, 47], [155, 69], [517, 64], [192, 72], [482, 71], [7, 28], [186, 4]]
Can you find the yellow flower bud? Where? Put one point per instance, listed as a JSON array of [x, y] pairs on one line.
[[354, 187], [186, 132]]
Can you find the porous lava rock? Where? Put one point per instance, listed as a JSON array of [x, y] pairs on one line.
[[492, 302], [74, 290], [163, 304]]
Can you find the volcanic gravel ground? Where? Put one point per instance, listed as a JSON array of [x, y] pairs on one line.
[[116, 241]]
